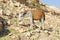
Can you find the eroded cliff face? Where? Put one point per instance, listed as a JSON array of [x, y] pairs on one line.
[[11, 10]]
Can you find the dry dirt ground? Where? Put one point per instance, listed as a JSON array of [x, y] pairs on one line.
[[23, 32]]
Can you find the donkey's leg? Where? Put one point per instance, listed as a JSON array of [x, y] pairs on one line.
[[31, 19], [42, 23]]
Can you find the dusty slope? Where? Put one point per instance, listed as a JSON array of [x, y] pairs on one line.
[[17, 32]]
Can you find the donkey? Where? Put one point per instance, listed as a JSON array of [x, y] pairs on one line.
[[35, 14]]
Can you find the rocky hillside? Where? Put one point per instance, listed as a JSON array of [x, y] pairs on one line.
[[10, 10]]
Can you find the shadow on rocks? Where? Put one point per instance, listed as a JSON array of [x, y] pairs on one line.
[[3, 27]]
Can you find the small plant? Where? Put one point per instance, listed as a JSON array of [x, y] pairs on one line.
[[1, 3]]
